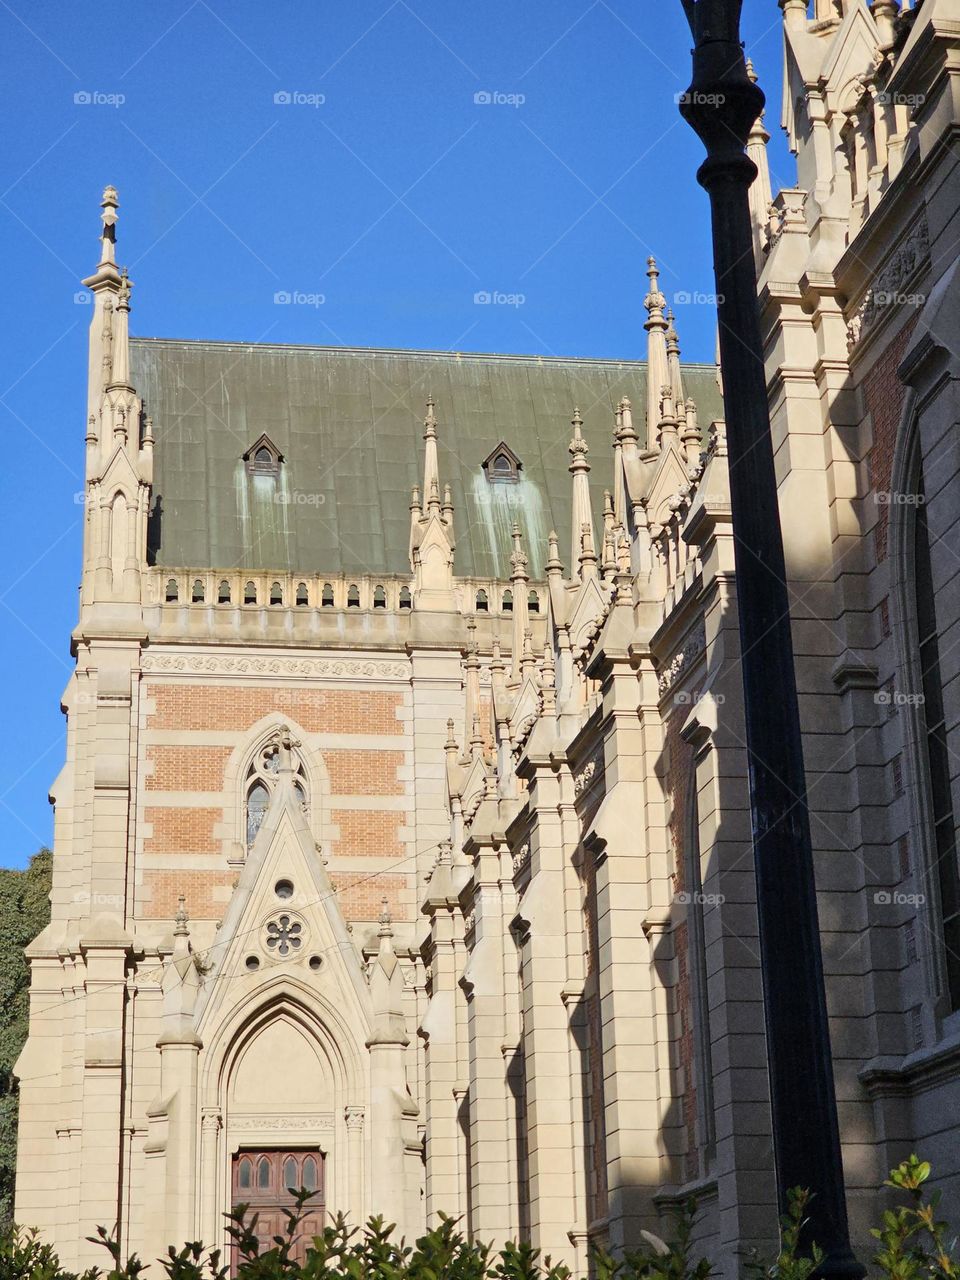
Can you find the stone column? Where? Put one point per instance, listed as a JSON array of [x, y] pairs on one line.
[[210, 1223], [354, 1117]]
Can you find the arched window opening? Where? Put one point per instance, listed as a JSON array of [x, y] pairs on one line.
[[263, 457], [302, 597], [258, 797], [482, 602], [263, 1173], [379, 598], [171, 594], [223, 594], [276, 593], [935, 752], [353, 597], [699, 1007], [533, 602], [309, 1176], [406, 601], [262, 776], [508, 601], [245, 1173], [250, 593], [326, 599], [290, 1179], [197, 594]]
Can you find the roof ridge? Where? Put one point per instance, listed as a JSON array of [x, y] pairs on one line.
[[602, 361]]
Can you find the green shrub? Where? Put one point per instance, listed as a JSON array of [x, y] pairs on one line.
[[913, 1247]]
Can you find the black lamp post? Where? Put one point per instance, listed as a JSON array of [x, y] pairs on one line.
[[721, 106]]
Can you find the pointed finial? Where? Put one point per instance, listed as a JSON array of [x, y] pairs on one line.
[[518, 559], [109, 203], [385, 930], [578, 448], [654, 301], [451, 742], [554, 563], [181, 919], [430, 421], [751, 74]]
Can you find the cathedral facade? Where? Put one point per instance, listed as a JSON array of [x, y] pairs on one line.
[[403, 845]]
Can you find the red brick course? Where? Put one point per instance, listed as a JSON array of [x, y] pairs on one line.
[[230, 707], [883, 395]]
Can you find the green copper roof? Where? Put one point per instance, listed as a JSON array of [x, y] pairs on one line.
[[349, 424]]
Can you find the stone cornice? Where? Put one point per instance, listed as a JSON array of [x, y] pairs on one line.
[[274, 665]]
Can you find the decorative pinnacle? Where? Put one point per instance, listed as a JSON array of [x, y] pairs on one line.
[[451, 742], [385, 930], [518, 559], [554, 563], [577, 448], [654, 301], [181, 919], [673, 338], [430, 421]]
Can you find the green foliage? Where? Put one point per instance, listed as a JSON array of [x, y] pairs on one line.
[[913, 1244], [658, 1259], [793, 1262], [24, 911], [914, 1247]]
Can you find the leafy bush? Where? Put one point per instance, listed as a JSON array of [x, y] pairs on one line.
[[913, 1247]]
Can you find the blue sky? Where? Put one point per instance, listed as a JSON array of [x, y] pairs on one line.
[[394, 157]]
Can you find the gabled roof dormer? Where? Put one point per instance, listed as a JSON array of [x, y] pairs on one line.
[[502, 465], [263, 458]]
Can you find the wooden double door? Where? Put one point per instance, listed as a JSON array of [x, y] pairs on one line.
[[267, 1181]]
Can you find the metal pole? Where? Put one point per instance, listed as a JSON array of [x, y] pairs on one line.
[[721, 106]]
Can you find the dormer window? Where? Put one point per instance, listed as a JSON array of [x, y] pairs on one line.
[[503, 465], [263, 458]]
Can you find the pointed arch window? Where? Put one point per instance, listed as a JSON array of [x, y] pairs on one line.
[[261, 781], [699, 1006]]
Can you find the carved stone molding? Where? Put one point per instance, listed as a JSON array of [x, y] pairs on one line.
[[693, 647], [888, 287], [312, 668]]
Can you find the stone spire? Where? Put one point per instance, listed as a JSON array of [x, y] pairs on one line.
[[431, 462], [581, 513], [431, 528], [691, 433], [673, 361], [471, 680], [760, 190], [656, 327], [519, 579]]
